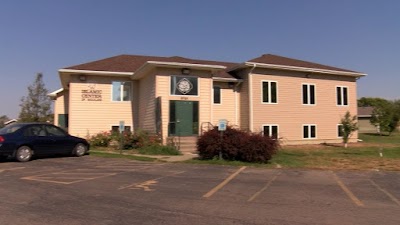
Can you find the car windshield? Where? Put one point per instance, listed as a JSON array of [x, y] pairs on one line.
[[10, 128]]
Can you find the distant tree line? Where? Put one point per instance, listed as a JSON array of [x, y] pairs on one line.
[[385, 114]]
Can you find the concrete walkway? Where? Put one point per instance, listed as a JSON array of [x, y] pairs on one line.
[[172, 158], [167, 158]]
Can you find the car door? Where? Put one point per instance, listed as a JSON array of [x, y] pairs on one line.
[[36, 137], [61, 141]]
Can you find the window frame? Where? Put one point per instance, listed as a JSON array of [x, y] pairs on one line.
[[308, 85], [338, 131], [309, 131], [126, 125], [270, 129], [121, 94], [220, 95], [269, 92], [342, 99]]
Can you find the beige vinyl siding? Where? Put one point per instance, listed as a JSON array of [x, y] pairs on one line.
[[226, 109], [365, 126], [147, 103], [290, 114], [244, 100], [91, 117], [61, 105]]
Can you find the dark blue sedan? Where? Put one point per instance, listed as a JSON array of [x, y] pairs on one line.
[[23, 140]]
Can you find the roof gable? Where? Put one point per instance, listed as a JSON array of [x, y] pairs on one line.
[[284, 61], [131, 63]]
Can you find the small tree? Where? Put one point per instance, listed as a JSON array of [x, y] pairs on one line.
[[36, 107], [385, 116], [349, 125]]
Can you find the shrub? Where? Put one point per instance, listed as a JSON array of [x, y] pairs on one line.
[[158, 150], [126, 140], [236, 145], [101, 139]]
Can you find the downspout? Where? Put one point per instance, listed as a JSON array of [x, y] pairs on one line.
[[251, 97], [236, 90]]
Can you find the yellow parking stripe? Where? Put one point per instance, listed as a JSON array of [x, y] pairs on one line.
[[226, 181], [264, 188], [347, 191], [394, 199], [146, 183]]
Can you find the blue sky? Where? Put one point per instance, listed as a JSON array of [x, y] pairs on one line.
[[46, 35]]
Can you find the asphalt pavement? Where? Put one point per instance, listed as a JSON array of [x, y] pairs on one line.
[[93, 190]]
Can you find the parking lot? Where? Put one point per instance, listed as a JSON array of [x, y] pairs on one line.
[[92, 190]]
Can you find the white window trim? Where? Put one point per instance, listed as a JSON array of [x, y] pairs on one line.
[[269, 94], [308, 90], [341, 92], [337, 129], [270, 125], [309, 130], [198, 86], [122, 92], [220, 95]]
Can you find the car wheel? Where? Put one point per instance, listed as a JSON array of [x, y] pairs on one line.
[[23, 154], [80, 150]]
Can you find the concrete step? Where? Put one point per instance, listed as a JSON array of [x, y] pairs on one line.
[[187, 144]]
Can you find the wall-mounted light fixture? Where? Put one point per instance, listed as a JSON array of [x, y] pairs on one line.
[[185, 71], [308, 75], [82, 77], [231, 84]]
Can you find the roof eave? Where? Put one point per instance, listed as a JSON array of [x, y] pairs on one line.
[[146, 67], [65, 74], [223, 79], [304, 69]]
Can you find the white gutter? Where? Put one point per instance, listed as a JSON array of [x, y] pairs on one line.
[[304, 69], [222, 79], [94, 72], [54, 93]]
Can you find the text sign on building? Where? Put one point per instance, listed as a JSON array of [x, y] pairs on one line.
[[222, 125], [91, 93]]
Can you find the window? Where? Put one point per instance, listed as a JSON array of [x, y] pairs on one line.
[[340, 130], [115, 129], [269, 92], [181, 85], [309, 131], [217, 95], [121, 91], [341, 96], [308, 94], [270, 131]]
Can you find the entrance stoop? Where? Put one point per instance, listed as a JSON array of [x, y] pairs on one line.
[[187, 144]]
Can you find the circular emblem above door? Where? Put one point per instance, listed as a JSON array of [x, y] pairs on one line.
[[184, 86]]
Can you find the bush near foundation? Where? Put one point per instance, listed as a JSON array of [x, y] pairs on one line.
[[236, 145], [127, 140]]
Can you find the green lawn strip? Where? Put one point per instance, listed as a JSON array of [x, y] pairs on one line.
[[117, 155], [394, 138], [158, 150]]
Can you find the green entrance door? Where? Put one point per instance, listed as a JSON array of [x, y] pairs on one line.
[[184, 118]]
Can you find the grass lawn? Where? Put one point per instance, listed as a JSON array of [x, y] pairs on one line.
[[361, 155], [364, 155]]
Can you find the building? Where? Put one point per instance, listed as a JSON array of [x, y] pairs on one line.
[[364, 116], [297, 101]]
